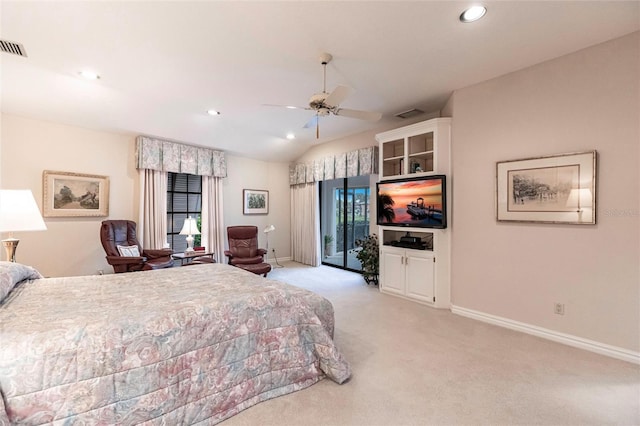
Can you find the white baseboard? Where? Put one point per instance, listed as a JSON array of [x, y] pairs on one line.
[[567, 339], [272, 261]]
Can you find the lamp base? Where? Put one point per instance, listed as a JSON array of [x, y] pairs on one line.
[[10, 245], [189, 244]]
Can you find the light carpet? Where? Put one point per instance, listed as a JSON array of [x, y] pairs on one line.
[[415, 365]]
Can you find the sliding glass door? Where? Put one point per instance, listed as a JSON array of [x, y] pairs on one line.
[[344, 219]]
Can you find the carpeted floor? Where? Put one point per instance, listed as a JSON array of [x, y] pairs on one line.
[[414, 365]]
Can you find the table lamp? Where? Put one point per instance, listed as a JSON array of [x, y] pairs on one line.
[[190, 228], [18, 212]]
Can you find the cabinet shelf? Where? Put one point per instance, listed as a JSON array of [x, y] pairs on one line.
[[421, 154]]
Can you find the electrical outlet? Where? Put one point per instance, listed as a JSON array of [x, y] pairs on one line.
[[558, 308]]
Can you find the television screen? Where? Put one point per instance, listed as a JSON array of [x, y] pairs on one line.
[[417, 202]]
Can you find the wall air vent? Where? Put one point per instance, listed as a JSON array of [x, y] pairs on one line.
[[11, 47], [410, 113]]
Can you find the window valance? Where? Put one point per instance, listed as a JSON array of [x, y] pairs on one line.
[[167, 156], [363, 161]]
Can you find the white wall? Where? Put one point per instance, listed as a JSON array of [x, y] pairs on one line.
[[583, 101], [71, 246]]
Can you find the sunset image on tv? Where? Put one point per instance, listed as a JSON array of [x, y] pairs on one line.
[[411, 203]]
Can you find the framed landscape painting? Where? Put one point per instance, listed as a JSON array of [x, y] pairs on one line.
[[255, 201], [68, 194], [554, 189]]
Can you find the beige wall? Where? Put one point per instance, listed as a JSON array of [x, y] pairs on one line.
[[244, 173], [583, 101], [71, 246]]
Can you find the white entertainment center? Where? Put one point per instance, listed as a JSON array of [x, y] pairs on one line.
[[415, 261]]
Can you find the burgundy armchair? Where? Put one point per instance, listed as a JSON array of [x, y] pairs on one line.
[[243, 250], [114, 233]]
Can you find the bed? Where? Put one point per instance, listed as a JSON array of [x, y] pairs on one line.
[[189, 345]]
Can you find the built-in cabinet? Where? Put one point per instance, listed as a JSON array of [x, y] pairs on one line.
[[418, 271], [408, 272]]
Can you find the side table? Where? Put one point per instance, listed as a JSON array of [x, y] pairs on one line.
[[196, 256]]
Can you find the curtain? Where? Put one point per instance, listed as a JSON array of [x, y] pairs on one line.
[[360, 162], [305, 224], [152, 226], [212, 216]]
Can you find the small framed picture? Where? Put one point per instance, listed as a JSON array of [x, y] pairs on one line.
[[255, 201], [554, 189], [68, 194]]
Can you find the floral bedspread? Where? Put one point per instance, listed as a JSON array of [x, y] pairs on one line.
[[190, 345]]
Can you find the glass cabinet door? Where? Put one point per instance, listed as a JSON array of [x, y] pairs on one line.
[[421, 153], [393, 158]]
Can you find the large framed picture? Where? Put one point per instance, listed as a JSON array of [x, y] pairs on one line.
[[553, 189], [68, 194], [255, 201]]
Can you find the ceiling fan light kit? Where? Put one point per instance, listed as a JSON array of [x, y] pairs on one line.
[[325, 103]]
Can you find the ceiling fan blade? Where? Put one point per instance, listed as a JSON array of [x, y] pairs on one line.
[[361, 115], [286, 106], [312, 123], [338, 95]]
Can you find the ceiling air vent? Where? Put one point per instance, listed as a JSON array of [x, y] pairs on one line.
[[410, 113], [11, 47]]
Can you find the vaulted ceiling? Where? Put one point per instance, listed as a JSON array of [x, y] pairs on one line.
[[162, 65]]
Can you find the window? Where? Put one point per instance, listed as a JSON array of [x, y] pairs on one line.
[[184, 198]]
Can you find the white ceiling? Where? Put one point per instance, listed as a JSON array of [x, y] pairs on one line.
[[164, 64]]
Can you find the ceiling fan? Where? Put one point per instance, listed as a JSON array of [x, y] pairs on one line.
[[325, 103]]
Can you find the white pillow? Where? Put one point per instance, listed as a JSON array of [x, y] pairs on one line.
[[129, 251]]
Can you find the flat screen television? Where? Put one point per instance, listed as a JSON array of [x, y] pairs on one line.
[[419, 202]]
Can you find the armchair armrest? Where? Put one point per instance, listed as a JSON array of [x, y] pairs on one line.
[[156, 253], [122, 260], [246, 260]]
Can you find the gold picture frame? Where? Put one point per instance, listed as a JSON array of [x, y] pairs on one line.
[[67, 194], [553, 189]]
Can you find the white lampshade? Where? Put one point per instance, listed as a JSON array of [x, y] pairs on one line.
[[269, 228], [190, 227], [19, 211]]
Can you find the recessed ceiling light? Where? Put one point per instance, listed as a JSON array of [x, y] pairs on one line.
[[291, 136], [291, 107], [473, 14], [89, 75], [213, 112]]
